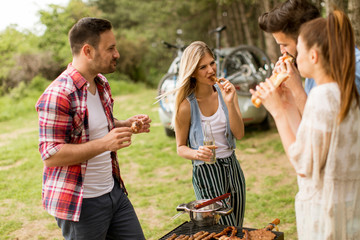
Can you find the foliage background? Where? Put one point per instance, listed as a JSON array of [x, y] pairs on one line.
[[140, 26]]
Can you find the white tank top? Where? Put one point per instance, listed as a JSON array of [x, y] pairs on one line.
[[98, 176], [218, 126]]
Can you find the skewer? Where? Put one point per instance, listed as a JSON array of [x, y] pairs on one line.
[[211, 201]]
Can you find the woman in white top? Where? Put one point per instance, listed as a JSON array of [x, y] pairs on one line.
[[199, 98], [324, 149]]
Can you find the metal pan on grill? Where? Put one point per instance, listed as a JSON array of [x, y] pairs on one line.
[[205, 216]]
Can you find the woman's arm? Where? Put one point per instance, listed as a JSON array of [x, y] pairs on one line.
[[235, 119], [182, 126], [290, 106], [287, 134], [286, 115], [231, 101]]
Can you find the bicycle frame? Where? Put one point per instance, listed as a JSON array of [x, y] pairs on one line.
[[174, 66]]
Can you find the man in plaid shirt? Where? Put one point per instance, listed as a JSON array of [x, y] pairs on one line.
[[79, 138]]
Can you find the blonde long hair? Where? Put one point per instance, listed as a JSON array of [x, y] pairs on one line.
[[335, 38], [186, 84]]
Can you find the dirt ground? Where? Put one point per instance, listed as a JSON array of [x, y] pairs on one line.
[[266, 163]]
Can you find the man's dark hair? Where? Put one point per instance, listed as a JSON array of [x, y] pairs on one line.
[[288, 17], [87, 30]]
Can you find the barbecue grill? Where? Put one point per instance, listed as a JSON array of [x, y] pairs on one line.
[[189, 228]]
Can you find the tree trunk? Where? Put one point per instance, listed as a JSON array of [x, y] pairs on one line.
[[352, 8], [340, 4], [272, 49], [354, 15], [231, 26], [238, 19], [261, 40], [225, 39], [235, 16], [245, 23], [318, 4]]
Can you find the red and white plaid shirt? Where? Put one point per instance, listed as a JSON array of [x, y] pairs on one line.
[[63, 118]]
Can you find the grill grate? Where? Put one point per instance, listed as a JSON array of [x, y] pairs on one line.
[[189, 228]]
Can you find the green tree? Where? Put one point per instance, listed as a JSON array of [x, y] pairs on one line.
[[58, 21], [14, 44], [141, 25]]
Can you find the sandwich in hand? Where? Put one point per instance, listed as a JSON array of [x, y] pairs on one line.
[[276, 79], [215, 79]]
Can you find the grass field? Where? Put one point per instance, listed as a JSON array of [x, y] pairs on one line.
[[156, 178]]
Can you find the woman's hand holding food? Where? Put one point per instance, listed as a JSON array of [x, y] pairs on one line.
[[269, 95], [227, 89]]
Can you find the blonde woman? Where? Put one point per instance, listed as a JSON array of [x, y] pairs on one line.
[[325, 150], [199, 98]]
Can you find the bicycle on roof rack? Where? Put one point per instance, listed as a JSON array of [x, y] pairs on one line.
[[244, 66]]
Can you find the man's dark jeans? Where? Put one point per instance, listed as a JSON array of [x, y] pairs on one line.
[[110, 216]]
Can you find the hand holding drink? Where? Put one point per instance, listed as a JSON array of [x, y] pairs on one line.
[[209, 141]]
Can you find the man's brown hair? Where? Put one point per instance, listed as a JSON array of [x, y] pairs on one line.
[[288, 17], [87, 31]]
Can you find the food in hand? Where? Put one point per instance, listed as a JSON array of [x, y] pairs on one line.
[[137, 125], [276, 79], [215, 79]]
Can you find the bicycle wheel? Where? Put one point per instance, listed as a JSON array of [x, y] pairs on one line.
[[167, 83], [166, 105], [246, 65]]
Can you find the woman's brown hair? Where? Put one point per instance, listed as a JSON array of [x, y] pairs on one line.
[[334, 37], [186, 84]]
